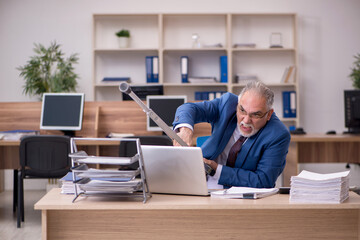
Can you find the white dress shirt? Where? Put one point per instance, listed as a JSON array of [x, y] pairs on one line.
[[221, 160]]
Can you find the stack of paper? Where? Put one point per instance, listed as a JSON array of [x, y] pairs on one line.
[[99, 177], [17, 134], [309, 187], [67, 185], [244, 192]]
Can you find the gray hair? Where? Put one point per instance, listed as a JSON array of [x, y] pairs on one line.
[[261, 89]]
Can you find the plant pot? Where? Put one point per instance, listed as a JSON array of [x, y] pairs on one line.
[[124, 42]]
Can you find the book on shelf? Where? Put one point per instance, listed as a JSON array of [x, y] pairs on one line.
[[244, 192], [310, 187], [289, 104], [244, 45], [202, 80], [184, 68], [116, 79], [149, 68], [288, 75], [216, 45], [242, 78], [155, 69], [223, 69], [152, 69], [208, 95]]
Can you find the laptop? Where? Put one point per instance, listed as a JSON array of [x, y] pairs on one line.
[[175, 170]]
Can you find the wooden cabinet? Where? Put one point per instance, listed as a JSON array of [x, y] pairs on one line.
[[170, 36]]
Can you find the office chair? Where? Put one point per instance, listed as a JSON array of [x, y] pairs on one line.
[[128, 149], [41, 157], [200, 140]]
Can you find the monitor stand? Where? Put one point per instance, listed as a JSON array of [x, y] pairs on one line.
[[69, 133], [352, 131]]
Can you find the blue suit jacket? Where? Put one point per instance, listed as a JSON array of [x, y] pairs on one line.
[[262, 157]]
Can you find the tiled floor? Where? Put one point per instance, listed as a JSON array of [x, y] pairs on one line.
[[31, 227]]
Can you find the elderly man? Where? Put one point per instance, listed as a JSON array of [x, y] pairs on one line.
[[248, 142]]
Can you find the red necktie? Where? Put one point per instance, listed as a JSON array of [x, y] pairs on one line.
[[234, 151]]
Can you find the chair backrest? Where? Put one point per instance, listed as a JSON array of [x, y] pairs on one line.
[[200, 140], [45, 156], [128, 149]]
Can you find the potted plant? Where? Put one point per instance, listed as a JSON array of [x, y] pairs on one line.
[[124, 38], [48, 71], [355, 72]]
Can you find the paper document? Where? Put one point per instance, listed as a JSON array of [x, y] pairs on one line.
[[244, 192], [310, 187], [321, 177]]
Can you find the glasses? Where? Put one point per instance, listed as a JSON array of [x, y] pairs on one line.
[[254, 115]]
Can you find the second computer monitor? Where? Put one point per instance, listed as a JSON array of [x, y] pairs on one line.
[[165, 107], [62, 111]]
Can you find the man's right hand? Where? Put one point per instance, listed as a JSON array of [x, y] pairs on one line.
[[185, 134]]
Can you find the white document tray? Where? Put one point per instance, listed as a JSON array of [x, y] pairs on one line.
[[84, 172], [82, 157]]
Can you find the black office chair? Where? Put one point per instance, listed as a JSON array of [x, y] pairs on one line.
[[128, 149], [41, 157]]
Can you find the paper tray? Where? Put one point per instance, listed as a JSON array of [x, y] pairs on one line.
[[88, 185], [82, 157], [83, 171]]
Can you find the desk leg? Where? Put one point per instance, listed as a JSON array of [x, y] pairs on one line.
[[44, 226], [292, 160]]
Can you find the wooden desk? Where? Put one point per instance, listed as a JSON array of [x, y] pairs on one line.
[[309, 148], [320, 148], [189, 217]]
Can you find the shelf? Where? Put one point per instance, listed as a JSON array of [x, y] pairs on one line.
[[263, 49], [287, 119], [269, 84], [113, 84], [170, 36], [193, 49], [195, 84], [111, 50]]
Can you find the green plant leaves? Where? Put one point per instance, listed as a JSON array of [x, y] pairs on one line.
[[355, 72], [49, 71], [123, 33]]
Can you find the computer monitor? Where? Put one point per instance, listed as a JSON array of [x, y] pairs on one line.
[[352, 110], [143, 91], [165, 107], [62, 111]]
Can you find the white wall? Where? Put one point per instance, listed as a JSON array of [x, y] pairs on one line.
[[328, 37]]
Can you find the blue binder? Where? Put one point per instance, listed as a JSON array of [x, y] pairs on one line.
[[289, 104], [184, 68], [155, 69], [223, 69], [149, 69]]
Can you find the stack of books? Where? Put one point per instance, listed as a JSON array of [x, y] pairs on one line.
[[309, 187]]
